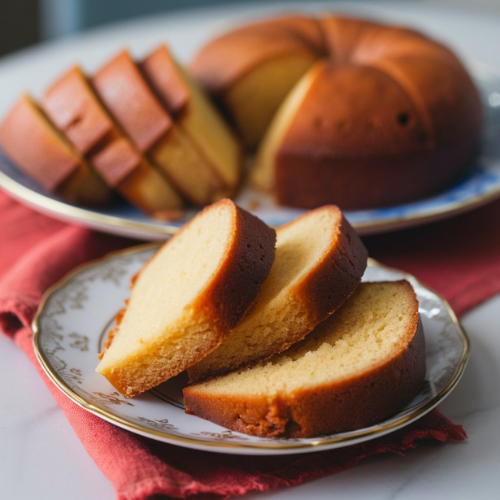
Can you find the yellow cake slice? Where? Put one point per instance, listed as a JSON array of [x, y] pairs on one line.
[[76, 110], [33, 143], [133, 104], [319, 262], [188, 297], [198, 118], [360, 366]]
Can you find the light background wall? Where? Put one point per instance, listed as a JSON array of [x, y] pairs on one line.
[[24, 22], [60, 17]]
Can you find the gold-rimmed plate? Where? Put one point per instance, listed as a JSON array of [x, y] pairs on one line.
[[479, 186], [77, 313]]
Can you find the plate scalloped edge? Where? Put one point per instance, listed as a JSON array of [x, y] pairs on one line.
[[215, 439]]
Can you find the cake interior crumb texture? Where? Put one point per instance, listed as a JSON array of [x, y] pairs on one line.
[[371, 328], [159, 322], [283, 72]]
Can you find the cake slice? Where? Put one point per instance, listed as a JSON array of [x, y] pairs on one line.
[[128, 96], [319, 262], [198, 118], [362, 365], [76, 110], [188, 297], [32, 142]]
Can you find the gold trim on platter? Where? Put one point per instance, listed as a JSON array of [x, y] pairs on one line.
[[276, 447]]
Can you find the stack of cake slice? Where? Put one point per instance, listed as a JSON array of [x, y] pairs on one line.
[[43, 153], [145, 130], [277, 341]]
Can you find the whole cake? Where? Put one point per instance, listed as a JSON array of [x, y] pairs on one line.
[[363, 364], [343, 110]]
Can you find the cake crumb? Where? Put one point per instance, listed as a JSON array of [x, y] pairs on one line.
[[253, 204], [168, 215]]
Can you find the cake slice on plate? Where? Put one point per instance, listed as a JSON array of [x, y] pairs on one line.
[[319, 263], [360, 366], [188, 297]]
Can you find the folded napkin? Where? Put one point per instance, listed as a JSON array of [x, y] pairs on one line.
[[459, 258]]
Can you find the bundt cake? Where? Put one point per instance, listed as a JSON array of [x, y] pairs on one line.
[[361, 115], [186, 299], [41, 152], [126, 93], [75, 109], [318, 265], [360, 366]]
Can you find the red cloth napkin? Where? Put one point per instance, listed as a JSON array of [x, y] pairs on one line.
[[460, 258]]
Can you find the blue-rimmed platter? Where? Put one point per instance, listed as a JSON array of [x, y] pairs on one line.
[[479, 186]]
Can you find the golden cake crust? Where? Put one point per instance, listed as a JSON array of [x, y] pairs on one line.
[[48, 160], [343, 264], [47, 157], [219, 164], [76, 111], [159, 68], [245, 269], [127, 95]]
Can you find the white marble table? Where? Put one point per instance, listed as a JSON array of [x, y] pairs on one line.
[[40, 457]]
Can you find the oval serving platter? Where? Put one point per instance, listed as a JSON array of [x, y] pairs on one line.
[[77, 313], [479, 186]]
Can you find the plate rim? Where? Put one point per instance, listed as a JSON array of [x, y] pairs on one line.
[[320, 443], [127, 227], [83, 215]]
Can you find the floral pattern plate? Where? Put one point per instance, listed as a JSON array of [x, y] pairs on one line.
[[479, 186], [77, 313]]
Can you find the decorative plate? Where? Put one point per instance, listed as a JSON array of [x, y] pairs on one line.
[[76, 315], [480, 185]]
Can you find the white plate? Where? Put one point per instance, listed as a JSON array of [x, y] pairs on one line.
[[76, 315], [479, 186]]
